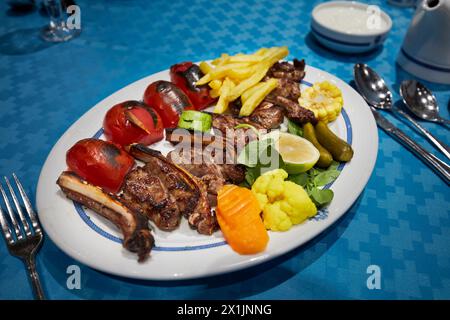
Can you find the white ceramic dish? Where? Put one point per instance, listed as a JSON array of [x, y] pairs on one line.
[[350, 26], [184, 253], [426, 48]]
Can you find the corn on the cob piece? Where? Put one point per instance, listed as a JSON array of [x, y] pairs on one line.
[[324, 99]]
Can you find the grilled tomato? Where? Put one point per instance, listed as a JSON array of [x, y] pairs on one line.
[[100, 163], [133, 122], [185, 75], [168, 100]]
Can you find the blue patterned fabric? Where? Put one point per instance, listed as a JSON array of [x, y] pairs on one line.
[[401, 222]]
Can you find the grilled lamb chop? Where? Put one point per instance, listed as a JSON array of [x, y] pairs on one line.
[[146, 194], [212, 174], [134, 227], [188, 192]]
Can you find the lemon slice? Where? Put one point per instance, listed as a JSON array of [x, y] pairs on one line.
[[299, 155]]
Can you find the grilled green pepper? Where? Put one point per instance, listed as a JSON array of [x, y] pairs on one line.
[[195, 120]]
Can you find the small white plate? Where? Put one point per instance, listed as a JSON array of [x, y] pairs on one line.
[[184, 253], [350, 26]]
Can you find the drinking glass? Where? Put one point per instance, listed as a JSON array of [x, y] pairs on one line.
[[57, 30]]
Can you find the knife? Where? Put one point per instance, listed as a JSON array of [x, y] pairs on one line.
[[439, 166]]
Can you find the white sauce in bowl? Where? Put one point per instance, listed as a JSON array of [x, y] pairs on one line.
[[350, 19]]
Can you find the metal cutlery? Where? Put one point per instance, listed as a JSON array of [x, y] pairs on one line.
[[421, 101], [375, 91], [22, 233]]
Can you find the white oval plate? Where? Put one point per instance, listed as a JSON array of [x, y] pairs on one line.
[[183, 253]]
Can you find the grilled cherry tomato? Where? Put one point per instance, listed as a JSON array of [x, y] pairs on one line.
[[168, 100], [99, 162], [133, 122], [185, 75]]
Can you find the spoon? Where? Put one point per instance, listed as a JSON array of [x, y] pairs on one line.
[[421, 101], [375, 91]]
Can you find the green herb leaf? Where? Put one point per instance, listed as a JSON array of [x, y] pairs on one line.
[[315, 178], [251, 174], [301, 179], [334, 165], [321, 197], [325, 177], [294, 128]]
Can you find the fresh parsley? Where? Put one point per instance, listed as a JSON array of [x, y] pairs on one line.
[[259, 156], [313, 179], [294, 128]]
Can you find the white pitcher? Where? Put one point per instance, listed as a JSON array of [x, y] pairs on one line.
[[426, 48]]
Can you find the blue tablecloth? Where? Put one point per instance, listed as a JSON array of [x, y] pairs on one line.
[[400, 222]]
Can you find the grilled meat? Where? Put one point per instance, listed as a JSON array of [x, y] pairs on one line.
[[286, 70], [187, 191], [146, 194], [293, 110], [288, 91], [267, 115], [134, 227], [213, 175], [287, 88], [226, 124]]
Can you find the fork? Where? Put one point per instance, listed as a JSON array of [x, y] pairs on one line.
[[23, 240]]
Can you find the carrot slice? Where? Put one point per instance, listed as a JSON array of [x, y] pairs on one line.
[[238, 214]]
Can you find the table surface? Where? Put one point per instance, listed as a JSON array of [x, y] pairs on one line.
[[400, 222]]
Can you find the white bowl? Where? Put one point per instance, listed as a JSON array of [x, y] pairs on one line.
[[350, 26]]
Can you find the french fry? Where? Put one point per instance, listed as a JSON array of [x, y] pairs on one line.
[[222, 71], [257, 97], [246, 58], [259, 73], [276, 54], [214, 93], [231, 77], [240, 73], [204, 80], [215, 84], [228, 84], [221, 61], [222, 104], [247, 93], [205, 67], [261, 52]]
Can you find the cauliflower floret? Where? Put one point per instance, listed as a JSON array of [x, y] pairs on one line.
[[275, 218], [262, 199], [297, 199], [284, 203]]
